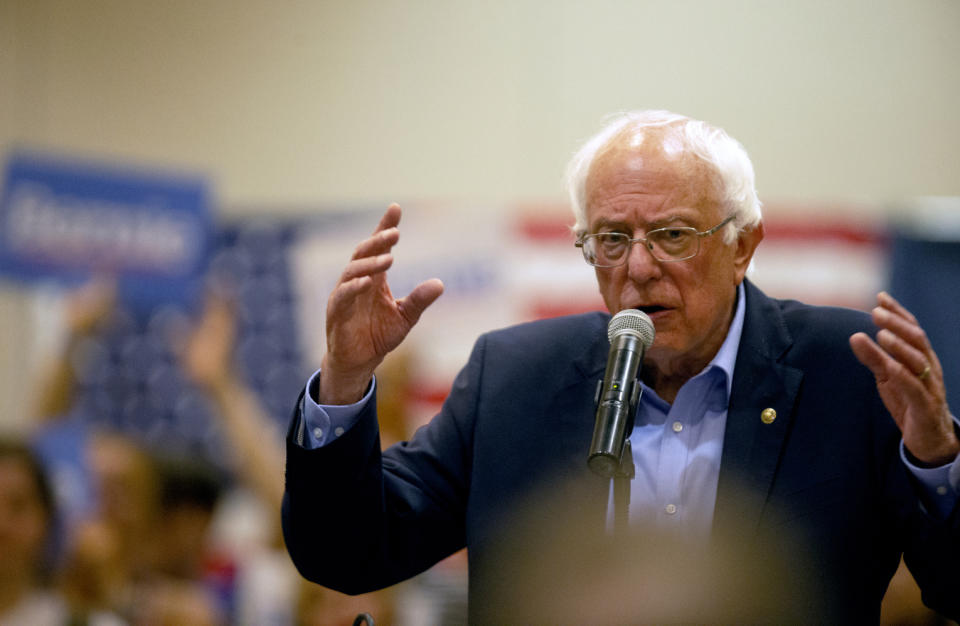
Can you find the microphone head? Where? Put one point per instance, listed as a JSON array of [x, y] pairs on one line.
[[634, 322]]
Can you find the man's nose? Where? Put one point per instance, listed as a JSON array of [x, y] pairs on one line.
[[641, 264]]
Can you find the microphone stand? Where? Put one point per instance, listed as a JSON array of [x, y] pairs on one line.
[[621, 490]]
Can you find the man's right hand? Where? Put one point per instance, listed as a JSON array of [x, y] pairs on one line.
[[364, 320]]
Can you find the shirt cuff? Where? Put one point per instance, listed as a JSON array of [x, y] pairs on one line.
[[940, 485], [322, 423]]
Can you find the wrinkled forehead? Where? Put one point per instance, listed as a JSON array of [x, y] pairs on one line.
[[658, 158]]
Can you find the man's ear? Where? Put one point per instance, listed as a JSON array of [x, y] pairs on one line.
[[747, 242]]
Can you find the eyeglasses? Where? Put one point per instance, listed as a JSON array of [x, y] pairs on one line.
[[674, 243]]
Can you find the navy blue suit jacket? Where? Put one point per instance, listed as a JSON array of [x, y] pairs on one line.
[[519, 419]]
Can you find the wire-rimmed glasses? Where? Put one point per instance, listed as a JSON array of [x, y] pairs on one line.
[[673, 243]]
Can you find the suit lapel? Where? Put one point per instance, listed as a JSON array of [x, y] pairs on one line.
[[752, 445], [573, 401], [574, 408]]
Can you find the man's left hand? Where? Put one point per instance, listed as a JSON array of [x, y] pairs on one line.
[[910, 381]]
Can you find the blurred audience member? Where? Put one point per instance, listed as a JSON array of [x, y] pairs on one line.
[[177, 603], [112, 550], [190, 490], [136, 528], [27, 540], [254, 443], [393, 393], [139, 522], [207, 356], [572, 572], [85, 311], [26, 523]]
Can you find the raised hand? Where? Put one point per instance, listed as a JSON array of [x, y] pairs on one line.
[[207, 352], [89, 305], [364, 321], [910, 381]]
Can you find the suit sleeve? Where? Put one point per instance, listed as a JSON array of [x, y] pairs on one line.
[[932, 553], [355, 519]]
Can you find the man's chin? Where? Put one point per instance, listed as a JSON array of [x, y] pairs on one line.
[[659, 355]]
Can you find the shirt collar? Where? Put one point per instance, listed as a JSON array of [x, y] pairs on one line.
[[726, 356], [721, 366]]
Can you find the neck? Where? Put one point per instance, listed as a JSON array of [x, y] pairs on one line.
[[666, 374], [667, 385]]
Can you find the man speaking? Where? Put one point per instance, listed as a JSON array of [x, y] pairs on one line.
[[831, 422]]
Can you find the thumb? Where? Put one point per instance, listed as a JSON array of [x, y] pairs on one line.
[[422, 296]]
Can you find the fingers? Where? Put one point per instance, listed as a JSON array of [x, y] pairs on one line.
[[914, 360], [902, 337], [884, 367], [870, 354], [901, 351], [891, 373], [390, 219], [890, 303], [893, 317], [367, 266], [379, 242], [371, 259], [372, 255], [909, 379]]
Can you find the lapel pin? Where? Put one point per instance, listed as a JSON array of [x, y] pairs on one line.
[[768, 415]]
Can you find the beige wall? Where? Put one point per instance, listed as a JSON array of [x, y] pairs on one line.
[[320, 102]]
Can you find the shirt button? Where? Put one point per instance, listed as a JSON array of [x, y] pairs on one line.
[[318, 432], [677, 427], [338, 431], [670, 509], [941, 490]]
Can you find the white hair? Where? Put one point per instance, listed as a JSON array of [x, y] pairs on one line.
[[724, 156]]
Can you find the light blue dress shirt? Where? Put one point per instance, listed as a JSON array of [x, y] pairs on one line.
[[676, 448]]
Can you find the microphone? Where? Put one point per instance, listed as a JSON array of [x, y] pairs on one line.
[[631, 333]]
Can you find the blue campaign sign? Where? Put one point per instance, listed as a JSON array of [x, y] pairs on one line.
[[66, 220]]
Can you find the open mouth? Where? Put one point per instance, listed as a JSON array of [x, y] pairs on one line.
[[650, 310]]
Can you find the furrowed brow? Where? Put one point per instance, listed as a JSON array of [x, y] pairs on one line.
[[615, 225], [675, 219], [606, 225]]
